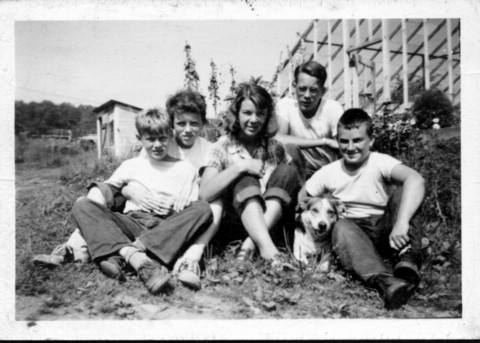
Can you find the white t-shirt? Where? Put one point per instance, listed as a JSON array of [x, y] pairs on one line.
[[322, 125], [196, 154], [177, 180], [365, 192]]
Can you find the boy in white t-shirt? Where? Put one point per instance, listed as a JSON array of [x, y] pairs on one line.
[[362, 180], [308, 123], [187, 111], [112, 237]]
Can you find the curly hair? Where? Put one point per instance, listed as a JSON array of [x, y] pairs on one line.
[[263, 102], [187, 100]]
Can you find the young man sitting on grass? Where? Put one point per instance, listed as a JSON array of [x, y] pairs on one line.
[[187, 111], [114, 237], [362, 180]]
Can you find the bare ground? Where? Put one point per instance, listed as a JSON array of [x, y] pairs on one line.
[[81, 292]]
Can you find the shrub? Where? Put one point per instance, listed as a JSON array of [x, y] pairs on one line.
[[430, 105]]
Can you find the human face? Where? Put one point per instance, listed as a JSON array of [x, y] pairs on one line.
[[251, 120], [354, 145], [187, 127], [155, 145], [309, 93]]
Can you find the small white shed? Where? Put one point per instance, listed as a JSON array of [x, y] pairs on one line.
[[116, 132]]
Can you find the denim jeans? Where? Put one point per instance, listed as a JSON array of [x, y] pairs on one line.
[[106, 231], [283, 185], [362, 245]]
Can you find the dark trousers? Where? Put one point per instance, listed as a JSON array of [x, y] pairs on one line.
[[283, 185], [362, 245], [106, 232]]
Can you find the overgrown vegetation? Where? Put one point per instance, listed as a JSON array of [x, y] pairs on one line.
[[80, 291]]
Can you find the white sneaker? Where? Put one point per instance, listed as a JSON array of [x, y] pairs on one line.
[[189, 274], [61, 254]]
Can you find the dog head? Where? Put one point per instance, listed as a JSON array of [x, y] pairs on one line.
[[319, 214]]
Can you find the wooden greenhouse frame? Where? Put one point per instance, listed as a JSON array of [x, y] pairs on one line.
[[368, 59]]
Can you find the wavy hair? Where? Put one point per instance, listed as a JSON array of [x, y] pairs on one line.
[[262, 101], [187, 100]]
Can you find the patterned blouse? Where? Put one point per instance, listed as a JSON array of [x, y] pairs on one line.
[[228, 149]]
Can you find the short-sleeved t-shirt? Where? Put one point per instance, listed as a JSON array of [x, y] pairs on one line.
[[174, 179], [365, 192], [322, 125]]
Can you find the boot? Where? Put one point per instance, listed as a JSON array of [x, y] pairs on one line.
[[395, 291], [407, 267]]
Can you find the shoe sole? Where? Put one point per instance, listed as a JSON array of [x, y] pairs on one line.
[[111, 270], [405, 272], [159, 286], [190, 280], [45, 261], [400, 298]]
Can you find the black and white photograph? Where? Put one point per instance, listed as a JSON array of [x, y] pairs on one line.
[[239, 170]]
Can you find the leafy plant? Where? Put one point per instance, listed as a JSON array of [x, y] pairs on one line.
[[433, 107], [192, 78]]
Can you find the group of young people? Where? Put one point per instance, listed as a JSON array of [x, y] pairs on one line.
[[158, 211]]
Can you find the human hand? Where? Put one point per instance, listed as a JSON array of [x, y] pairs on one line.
[[252, 166], [147, 201], [399, 236]]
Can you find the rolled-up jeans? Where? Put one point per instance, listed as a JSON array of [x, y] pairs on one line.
[[282, 185], [106, 232], [362, 244]]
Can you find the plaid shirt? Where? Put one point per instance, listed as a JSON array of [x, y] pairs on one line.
[[227, 150]]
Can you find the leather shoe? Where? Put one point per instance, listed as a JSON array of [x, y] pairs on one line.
[[395, 291]]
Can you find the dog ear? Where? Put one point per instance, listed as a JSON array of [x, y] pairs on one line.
[[303, 204]]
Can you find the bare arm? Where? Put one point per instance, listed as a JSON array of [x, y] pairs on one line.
[[412, 196], [285, 137], [213, 183]]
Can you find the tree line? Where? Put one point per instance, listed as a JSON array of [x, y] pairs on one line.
[[38, 118]]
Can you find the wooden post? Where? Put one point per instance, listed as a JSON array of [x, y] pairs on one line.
[[315, 40], [346, 68], [426, 53], [450, 59], [386, 61], [99, 136], [117, 142], [405, 64], [355, 68], [329, 71]]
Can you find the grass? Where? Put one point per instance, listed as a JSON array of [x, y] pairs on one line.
[[81, 291]]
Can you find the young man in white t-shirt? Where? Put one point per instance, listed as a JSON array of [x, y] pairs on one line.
[[114, 237], [309, 122], [187, 111], [364, 235]]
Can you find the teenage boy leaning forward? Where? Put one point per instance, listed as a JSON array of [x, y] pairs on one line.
[[361, 179], [308, 122], [134, 233]]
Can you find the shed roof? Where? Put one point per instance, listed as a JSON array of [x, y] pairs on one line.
[[113, 102]]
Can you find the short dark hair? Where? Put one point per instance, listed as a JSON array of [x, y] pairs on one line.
[[263, 102], [353, 118], [187, 101], [313, 69]]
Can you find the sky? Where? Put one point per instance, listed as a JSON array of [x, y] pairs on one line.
[[141, 62]]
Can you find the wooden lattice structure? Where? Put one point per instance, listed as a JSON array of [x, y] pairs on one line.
[[379, 63]]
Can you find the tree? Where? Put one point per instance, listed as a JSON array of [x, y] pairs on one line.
[[191, 76], [213, 87]]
